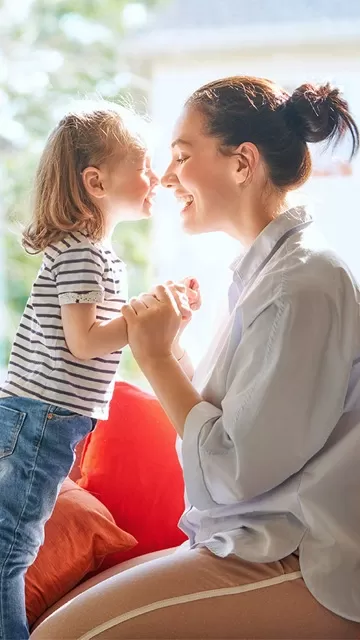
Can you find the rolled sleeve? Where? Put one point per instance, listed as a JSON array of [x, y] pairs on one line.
[[200, 416], [285, 394]]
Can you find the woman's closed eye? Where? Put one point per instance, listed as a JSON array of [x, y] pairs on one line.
[[181, 160]]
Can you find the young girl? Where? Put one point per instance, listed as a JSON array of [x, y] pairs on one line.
[[94, 172]]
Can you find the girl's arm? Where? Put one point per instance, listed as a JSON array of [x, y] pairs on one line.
[[89, 338], [80, 274]]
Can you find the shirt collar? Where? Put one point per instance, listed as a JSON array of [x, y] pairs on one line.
[[245, 265]]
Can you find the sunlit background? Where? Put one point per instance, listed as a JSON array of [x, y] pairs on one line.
[[154, 54]]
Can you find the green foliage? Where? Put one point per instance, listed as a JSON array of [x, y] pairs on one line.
[[53, 51]]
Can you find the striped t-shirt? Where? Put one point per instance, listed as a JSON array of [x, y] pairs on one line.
[[74, 270]]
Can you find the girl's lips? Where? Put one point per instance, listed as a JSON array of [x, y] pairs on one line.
[[149, 198]]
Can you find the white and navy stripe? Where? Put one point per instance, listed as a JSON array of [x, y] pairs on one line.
[[41, 366]]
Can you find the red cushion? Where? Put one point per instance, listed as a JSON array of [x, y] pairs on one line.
[[129, 463], [78, 536], [75, 472]]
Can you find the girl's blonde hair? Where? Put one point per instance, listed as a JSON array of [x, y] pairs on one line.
[[86, 136]]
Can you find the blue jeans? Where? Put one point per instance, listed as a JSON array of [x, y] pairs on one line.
[[37, 443]]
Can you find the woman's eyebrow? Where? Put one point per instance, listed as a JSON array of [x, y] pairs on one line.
[[180, 141]]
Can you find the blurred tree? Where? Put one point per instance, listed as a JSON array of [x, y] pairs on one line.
[[52, 51]]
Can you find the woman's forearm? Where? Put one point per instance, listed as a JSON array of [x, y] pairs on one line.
[[183, 359], [172, 387]]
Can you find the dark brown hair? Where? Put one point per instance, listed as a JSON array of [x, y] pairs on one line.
[[89, 135], [245, 109]]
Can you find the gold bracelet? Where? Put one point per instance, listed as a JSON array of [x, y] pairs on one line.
[[181, 357]]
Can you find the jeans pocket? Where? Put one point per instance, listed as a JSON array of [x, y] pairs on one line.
[[60, 412], [11, 422]]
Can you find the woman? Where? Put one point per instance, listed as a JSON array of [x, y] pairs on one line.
[[270, 423]]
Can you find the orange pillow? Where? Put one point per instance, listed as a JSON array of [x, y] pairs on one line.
[[129, 462], [79, 535]]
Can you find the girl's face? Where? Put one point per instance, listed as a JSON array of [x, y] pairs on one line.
[[123, 187], [204, 180], [129, 185]]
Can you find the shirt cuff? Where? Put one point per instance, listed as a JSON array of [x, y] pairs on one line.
[[195, 483], [92, 297]]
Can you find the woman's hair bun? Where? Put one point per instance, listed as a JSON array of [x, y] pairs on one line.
[[319, 112]]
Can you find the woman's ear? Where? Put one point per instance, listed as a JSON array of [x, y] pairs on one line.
[[93, 184], [247, 157]]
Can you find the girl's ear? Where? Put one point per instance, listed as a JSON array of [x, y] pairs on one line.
[[93, 184]]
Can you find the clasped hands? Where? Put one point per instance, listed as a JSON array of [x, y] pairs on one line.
[[156, 320]]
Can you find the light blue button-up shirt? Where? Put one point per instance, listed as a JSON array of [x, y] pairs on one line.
[[271, 457]]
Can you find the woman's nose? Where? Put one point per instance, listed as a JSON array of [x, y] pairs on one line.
[[169, 180]]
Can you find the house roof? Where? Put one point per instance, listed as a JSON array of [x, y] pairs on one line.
[[190, 14], [178, 27]]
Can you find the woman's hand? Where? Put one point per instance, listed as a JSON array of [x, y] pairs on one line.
[[193, 292], [153, 321], [188, 290]]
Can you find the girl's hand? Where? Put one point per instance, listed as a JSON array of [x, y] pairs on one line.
[[153, 321]]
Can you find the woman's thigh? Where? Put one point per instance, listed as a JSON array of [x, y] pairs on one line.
[[194, 594]]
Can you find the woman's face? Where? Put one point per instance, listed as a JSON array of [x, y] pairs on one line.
[[204, 180]]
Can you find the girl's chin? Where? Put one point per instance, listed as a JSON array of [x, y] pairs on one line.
[[146, 211], [147, 207], [136, 213]]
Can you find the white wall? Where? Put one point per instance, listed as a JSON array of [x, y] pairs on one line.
[[334, 200]]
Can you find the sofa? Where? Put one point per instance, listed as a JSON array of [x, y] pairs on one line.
[[110, 511]]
